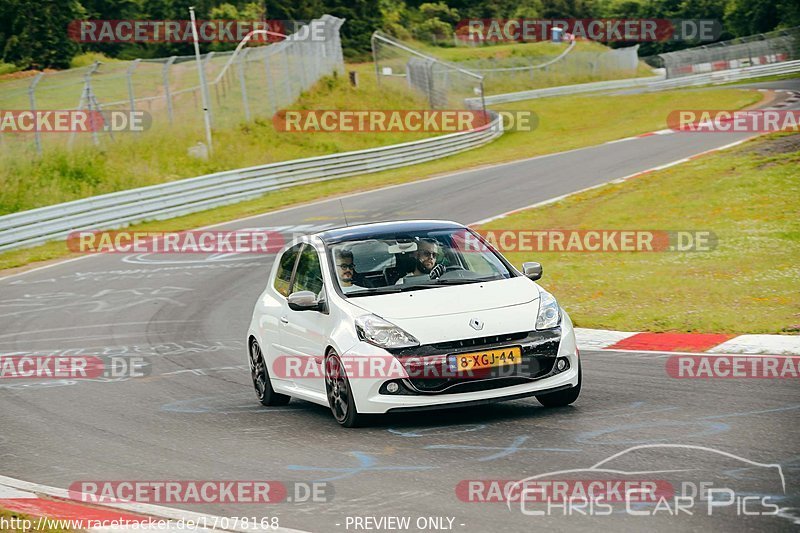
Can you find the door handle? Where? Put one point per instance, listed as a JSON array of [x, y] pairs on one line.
[[284, 320]]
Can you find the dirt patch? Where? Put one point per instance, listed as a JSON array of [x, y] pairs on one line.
[[776, 145], [22, 74]]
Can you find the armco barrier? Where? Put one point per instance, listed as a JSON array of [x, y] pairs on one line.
[[569, 89], [190, 195], [653, 83], [726, 76]]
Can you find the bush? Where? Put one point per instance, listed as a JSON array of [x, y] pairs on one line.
[[87, 58], [7, 68]]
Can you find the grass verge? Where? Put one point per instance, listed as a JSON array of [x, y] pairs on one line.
[[61, 175], [746, 195], [564, 123]]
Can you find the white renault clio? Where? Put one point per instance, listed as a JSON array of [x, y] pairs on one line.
[[406, 316]]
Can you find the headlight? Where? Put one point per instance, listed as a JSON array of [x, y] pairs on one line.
[[375, 330], [549, 313]]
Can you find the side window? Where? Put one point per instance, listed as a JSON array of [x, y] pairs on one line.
[[309, 272], [284, 275]]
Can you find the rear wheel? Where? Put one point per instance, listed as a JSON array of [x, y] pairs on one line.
[[258, 371], [340, 395], [562, 397]]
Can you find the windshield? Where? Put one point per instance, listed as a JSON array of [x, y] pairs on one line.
[[397, 262]]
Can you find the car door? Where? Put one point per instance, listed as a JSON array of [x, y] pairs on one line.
[[274, 307], [304, 334]]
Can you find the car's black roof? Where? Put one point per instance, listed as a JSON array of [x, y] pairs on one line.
[[372, 231]]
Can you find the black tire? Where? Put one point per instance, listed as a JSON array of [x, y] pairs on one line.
[[562, 397], [340, 395], [261, 381]]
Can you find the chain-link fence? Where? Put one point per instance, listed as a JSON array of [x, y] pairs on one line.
[[445, 85], [255, 82], [449, 83], [515, 73], [762, 49]]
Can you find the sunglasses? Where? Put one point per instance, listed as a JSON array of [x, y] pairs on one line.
[[347, 266], [425, 253]]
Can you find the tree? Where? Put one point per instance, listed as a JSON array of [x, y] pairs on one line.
[[747, 17], [40, 37], [439, 10]]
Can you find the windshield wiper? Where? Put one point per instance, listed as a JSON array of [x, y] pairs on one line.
[[416, 287], [391, 289], [462, 281], [374, 290]]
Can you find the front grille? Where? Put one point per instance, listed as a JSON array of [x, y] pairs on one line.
[[480, 341], [539, 351]]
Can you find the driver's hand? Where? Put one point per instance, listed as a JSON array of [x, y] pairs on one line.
[[438, 270]]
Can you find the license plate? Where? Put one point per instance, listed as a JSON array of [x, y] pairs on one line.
[[465, 362]]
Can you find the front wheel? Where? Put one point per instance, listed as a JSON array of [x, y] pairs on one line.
[[258, 371], [562, 397], [340, 395]]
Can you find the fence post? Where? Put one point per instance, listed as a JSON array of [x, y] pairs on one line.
[[242, 83], [286, 75], [91, 100], [270, 83], [165, 80], [32, 98], [204, 87], [86, 102], [129, 75], [375, 60]]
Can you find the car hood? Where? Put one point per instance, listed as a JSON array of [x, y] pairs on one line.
[[450, 300]]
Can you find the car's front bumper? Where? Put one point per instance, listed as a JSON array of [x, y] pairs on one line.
[[540, 353]]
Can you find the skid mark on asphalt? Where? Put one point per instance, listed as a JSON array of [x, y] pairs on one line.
[[749, 413], [104, 301], [440, 430], [38, 332], [227, 404], [706, 428], [164, 349], [136, 273], [660, 410], [366, 463], [515, 446]]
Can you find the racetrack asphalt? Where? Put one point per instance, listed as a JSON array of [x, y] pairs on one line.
[[195, 416]]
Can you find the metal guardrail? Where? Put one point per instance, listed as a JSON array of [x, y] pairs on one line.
[[570, 89], [726, 76], [176, 198], [653, 83]]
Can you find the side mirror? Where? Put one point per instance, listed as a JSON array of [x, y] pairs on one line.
[[532, 270], [304, 301]]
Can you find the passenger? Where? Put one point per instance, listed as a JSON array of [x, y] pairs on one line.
[[425, 265], [346, 270]]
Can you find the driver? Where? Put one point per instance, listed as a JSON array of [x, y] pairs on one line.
[[425, 260], [345, 270]]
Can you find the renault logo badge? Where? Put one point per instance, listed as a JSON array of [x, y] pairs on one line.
[[476, 324]]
